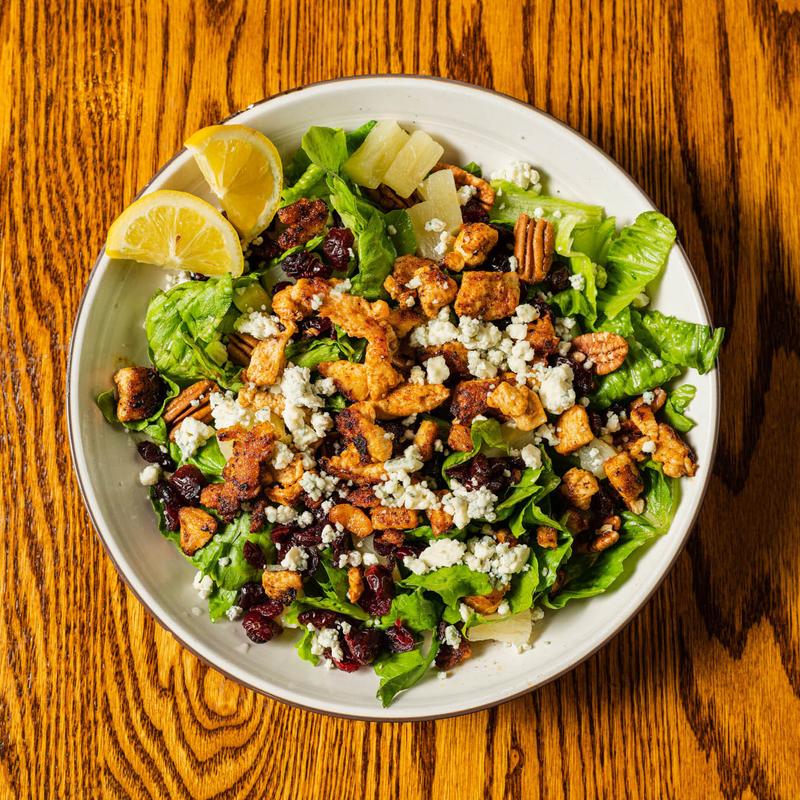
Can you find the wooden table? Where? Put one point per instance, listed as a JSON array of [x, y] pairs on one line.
[[700, 695]]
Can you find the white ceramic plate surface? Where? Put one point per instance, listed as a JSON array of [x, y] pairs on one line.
[[472, 124]]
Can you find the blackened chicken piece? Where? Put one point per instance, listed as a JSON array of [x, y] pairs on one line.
[[140, 392]]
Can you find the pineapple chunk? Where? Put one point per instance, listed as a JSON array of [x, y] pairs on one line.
[[412, 163], [440, 188], [438, 217], [369, 163], [430, 230]]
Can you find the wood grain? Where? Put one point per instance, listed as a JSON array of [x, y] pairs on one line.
[[700, 696]]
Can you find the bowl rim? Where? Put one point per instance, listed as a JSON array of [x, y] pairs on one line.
[[633, 612]]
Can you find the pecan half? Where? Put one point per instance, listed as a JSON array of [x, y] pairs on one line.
[[534, 243], [483, 189], [240, 348], [193, 401], [304, 219], [388, 199], [607, 350], [607, 534]]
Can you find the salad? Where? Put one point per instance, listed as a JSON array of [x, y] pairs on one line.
[[396, 409]]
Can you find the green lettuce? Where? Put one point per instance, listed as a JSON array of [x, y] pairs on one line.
[[403, 239], [208, 459], [590, 574], [687, 344], [400, 671], [415, 611], [677, 402], [183, 324], [450, 583], [325, 147], [511, 201], [635, 259]]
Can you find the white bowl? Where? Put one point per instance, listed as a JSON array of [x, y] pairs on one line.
[[472, 124]]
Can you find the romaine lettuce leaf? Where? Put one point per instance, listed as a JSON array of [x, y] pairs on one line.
[[450, 583], [403, 239], [687, 344], [635, 259], [415, 611], [512, 200], [587, 574], [642, 370], [677, 402], [355, 138], [208, 459], [584, 245], [325, 147], [311, 184], [401, 671], [181, 324]]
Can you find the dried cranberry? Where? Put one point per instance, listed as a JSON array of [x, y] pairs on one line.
[[582, 379], [303, 264], [337, 247], [197, 276], [310, 536], [363, 644], [172, 516], [544, 309], [378, 591], [595, 422], [312, 561], [498, 261], [319, 618], [605, 502], [188, 482], [407, 549], [282, 535], [345, 665], [558, 279], [251, 594], [267, 250], [482, 471], [448, 656], [258, 625], [166, 494], [340, 545], [254, 555], [315, 327], [153, 454], [400, 638], [473, 211], [280, 286]]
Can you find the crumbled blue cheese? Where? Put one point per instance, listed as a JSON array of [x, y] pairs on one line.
[[299, 394], [451, 636], [578, 282], [532, 456], [149, 475], [555, 389], [439, 553], [437, 370], [465, 505], [327, 639], [464, 193], [444, 244], [227, 412], [318, 486], [520, 173], [417, 375], [325, 387], [345, 285], [504, 608], [234, 612], [203, 585], [525, 313], [649, 447], [350, 559], [296, 559], [283, 456], [191, 435], [258, 324], [648, 398], [436, 225]]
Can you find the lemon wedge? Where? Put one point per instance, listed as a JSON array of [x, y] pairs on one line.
[[244, 170], [176, 230]]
